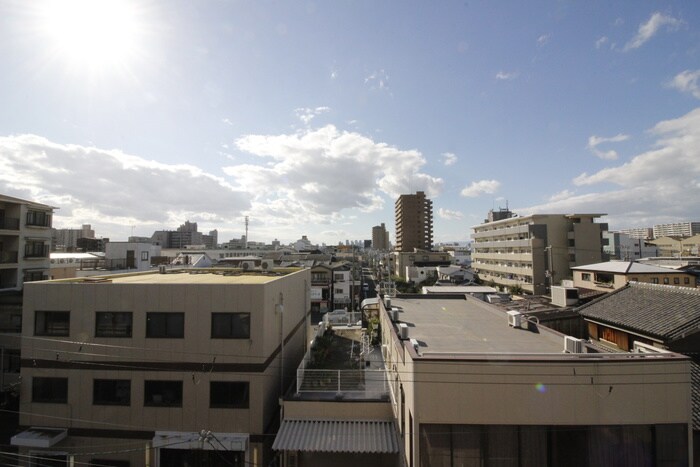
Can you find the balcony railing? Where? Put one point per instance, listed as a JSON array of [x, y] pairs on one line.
[[33, 251], [363, 383], [9, 223]]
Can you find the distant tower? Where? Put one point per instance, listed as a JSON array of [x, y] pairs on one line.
[[414, 222], [246, 232]]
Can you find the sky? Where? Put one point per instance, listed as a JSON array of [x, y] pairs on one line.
[[312, 117]]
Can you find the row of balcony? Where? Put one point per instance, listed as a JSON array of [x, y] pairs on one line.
[[515, 230], [525, 271], [527, 257], [519, 243]]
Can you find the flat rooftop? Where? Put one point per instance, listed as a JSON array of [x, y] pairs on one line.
[[459, 326], [184, 276]]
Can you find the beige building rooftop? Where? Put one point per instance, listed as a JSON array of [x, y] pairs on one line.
[[469, 326], [186, 276]]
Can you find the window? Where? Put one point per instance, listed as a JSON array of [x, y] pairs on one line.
[[162, 393], [111, 392], [339, 291], [665, 280], [676, 281], [170, 325], [655, 280], [113, 324], [686, 280], [144, 256], [338, 277], [52, 323], [230, 325], [39, 218], [31, 276], [36, 249], [52, 390], [586, 276], [228, 395]]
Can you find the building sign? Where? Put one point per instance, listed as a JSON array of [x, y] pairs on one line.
[[316, 293]]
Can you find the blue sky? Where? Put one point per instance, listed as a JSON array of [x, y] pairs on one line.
[[312, 117]]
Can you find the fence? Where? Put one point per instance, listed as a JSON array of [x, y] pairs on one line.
[[370, 383]]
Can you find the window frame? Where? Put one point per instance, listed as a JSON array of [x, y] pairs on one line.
[[115, 400], [167, 315], [129, 328], [218, 327], [229, 387], [56, 386], [44, 331], [150, 402]]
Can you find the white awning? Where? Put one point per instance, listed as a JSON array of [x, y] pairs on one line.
[[352, 436], [39, 437]]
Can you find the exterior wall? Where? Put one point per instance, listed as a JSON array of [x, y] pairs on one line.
[[414, 222], [82, 357], [143, 252], [620, 280], [340, 410], [404, 260]]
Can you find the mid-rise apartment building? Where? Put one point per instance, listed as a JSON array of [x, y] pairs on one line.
[[644, 233], [414, 222], [677, 229], [160, 368], [380, 237], [25, 243], [618, 245], [67, 239], [537, 251]]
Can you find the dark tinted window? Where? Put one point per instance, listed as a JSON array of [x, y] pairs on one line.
[[165, 325], [230, 325], [53, 390]]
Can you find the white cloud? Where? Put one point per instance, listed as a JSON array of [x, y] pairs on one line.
[[306, 114], [543, 39], [655, 185], [449, 215], [506, 75], [481, 187], [601, 42], [687, 81], [449, 158], [378, 80], [227, 121], [113, 189], [562, 195], [649, 29], [595, 141], [315, 174]]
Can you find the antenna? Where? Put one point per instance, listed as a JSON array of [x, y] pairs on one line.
[[246, 232]]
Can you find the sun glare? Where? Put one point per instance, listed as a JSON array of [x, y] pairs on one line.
[[92, 33]]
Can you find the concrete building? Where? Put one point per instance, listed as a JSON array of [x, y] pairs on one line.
[[380, 238], [678, 229], [644, 233], [130, 256], [408, 265], [624, 247], [160, 369], [613, 275], [473, 385], [25, 243], [414, 222], [67, 239], [537, 251]]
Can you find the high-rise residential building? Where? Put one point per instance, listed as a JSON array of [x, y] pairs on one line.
[[414, 222], [537, 251], [380, 237], [67, 239], [158, 368], [678, 229], [645, 233]]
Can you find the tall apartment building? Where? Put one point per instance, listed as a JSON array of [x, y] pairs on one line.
[[67, 239], [162, 369], [414, 222], [537, 251], [678, 229], [644, 233], [380, 237]]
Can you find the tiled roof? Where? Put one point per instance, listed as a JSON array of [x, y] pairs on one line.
[[695, 391], [662, 311], [350, 436], [624, 267]]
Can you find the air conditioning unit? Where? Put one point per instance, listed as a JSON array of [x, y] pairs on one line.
[[387, 301], [267, 264], [415, 344], [514, 318], [247, 265], [573, 345], [403, 331], [394, 314], [162, 269]]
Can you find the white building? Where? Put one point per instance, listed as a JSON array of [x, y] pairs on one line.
[[627, 248], [130, 256], [677, 229]]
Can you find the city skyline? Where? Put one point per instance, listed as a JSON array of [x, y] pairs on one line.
[[313, 118]]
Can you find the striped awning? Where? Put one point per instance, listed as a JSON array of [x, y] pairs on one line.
[[353, 436]]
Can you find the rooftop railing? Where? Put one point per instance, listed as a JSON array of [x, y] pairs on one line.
[[369, 383]]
